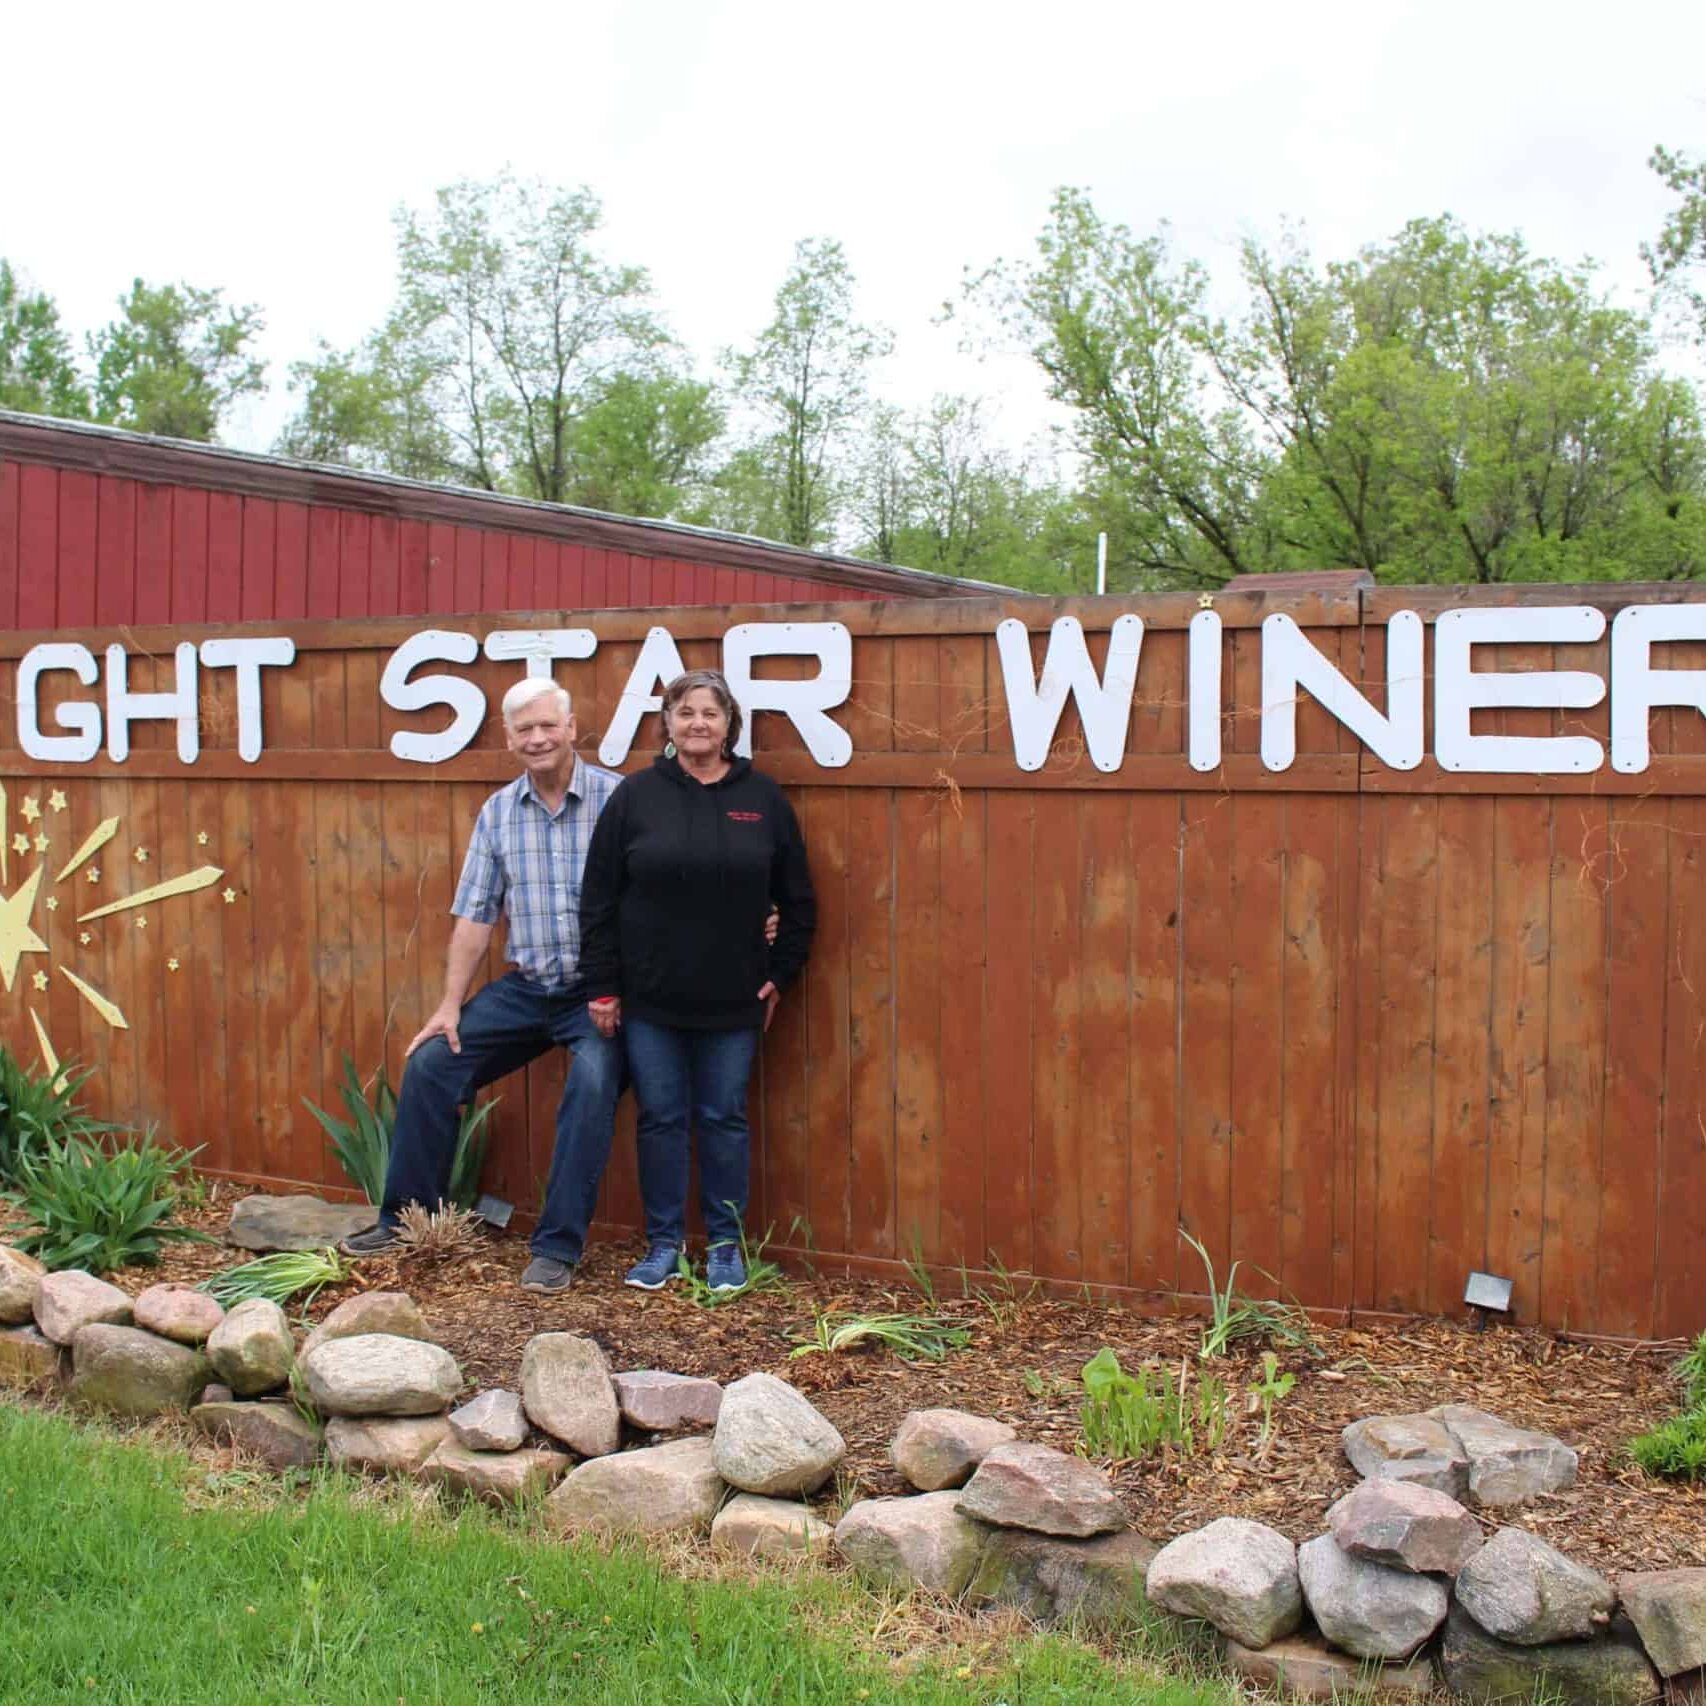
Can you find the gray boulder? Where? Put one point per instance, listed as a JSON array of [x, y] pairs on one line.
[[769, 1439], [1405, 1526], [66, 1302], [1526, 1592], [491, 1421], [1241, 1576], [1055, 1580], [384, 1445], [660, 1403], [934, 1449], [252, 1349], [1668, 1609], [1507, 1465], [567, 1393], [770, 1528], [378, 1374], [275, 1432], [392, 1312], [917, 1542], [178, 1312], [1611, 1671], [29, 1359], [495, 1477], [133, 1373], [1304, 1667], [1418, 1449], [1026, 1485], [673, 1488], [1368, 1609], [19, 1275], [295, 1223]]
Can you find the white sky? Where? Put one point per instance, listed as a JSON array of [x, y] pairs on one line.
[[264, 148]]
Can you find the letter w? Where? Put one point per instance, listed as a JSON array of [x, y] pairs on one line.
[[1104, 706]]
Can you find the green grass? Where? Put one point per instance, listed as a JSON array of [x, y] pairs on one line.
[[126, 1592]]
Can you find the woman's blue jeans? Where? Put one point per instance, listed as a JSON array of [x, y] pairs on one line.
[[692, 1080]]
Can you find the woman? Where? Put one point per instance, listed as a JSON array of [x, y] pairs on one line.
[[685, 864]]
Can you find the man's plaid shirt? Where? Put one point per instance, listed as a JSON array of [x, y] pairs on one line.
[[526, 863]]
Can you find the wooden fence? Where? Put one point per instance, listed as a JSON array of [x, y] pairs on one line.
[[1361, 1028]]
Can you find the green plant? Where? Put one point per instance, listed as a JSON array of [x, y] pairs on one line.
[[362, 1143], [1233, 1317], [917, 1272], [279, 1277], [36, 1112], [910, 1337], [1676, 1448], [1692, 1372], [762, 1274], [1273, 1388], [1130, 1415], [100, 1208]]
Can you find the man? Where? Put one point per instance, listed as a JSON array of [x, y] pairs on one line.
[[524, 862]]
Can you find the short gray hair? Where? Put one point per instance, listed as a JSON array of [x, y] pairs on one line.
[[532, 687]]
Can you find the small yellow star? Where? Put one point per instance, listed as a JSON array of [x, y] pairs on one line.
[[56, 800], [201, 838], [42, 843], [53, 903], [142, 922], [142, 855], [20, 843], [230, 897], [93, 873], [1205, 601], [32, 808], [40, 980], [172, 963], [84, 937]]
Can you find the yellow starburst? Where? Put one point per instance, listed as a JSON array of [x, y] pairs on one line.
[[20, 843], [52, 903], [56, 800], [39, 979], [141, 855], [201, 838], [31, 808], [172, 963], [230, 897], [93, 873], [84, 937], [16, 936], [142, 922], [42, 843]]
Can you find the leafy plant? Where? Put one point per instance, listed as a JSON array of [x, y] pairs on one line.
[[911, 1337], [917, 1272], [36, 1112], [1692, 1370], [99, 1208], [762, 1274], [1676, 1448], [1233, 1316], [1271, 1389], [1130, 1415], [362, 1143], [278, 1277]]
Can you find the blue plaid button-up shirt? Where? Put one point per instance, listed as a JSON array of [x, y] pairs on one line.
[[526, 862]]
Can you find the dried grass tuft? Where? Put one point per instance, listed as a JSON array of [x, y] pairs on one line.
[[444, 1232]]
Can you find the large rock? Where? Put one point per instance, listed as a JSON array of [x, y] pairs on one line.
[[492, 1421], [1507, 1465], [934, 1449], [770, 1528], [918, 1542], [1405, 1526], [1055, 1580], [178, 1312], [1368, 1609], [252, 1349], [567, 1392], [386, 1445], [497, 1477], [1612, 1671], [1239, 1575], [770, 1439], [1418, 1449], [392, 1312], [660, 1402], [133, 1373], [276, 1433], [673, 1488], [19, 1275], [1026, 1485], [1304, 1667], [295, 1223], [1668, 1609], [29, 1359], [378, 1374], [1526, 1592], [68, 1301]]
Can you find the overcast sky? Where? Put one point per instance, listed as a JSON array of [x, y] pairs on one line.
[[264, 148]]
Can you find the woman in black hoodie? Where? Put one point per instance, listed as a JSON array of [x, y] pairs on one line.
[[686, 861]]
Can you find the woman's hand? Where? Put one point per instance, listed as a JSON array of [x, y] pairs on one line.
[[606, 1015], [770, 995]]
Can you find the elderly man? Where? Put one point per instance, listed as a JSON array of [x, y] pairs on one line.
[[524, 862]]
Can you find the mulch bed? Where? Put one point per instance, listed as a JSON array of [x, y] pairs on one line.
[[1023, 1365]]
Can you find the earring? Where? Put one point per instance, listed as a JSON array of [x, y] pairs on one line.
[[669, 749]]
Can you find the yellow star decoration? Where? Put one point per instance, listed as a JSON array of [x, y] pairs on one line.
[[172, 963], [84, 937], [42, 843], [40, 980], [142, 855], [230, 897], [93, 873], [1205, 601], [56, 800], [142, 922], [52, 903], [201, 838], [16, 936], [31, 808], [20, 843]]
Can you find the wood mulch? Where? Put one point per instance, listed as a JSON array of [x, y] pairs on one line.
[[1023, 1366]]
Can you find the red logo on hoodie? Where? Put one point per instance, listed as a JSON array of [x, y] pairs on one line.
[[747, 817]]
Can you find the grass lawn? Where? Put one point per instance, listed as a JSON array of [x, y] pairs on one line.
[[127, 1578]]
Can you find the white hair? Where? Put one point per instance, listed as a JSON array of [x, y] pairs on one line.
[[532, 687]]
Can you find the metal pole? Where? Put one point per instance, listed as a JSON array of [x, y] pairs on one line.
[[1101, 563]]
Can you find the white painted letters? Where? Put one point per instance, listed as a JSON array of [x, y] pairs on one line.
[[248, 658], [1034, 706], [462, 696], [1290, 661], [805, 704], [125, 707], [79, 716], [658, 664], [539, 646], [1204, 691], [1636, 687]]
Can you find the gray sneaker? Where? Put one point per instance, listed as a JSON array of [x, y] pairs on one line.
[[375, 1241], [546, 1273]]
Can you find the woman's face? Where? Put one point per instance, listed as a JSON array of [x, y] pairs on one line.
[[698, 724]]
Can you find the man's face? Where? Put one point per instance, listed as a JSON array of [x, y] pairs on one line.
[[541, 734]]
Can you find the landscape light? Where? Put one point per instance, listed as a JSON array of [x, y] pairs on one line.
[[1484, 1293]]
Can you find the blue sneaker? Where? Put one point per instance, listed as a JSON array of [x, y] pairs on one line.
[[724, 1270], [656, 1271]]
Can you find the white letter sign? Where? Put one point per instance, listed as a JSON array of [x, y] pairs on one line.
[[248, 658], [1636, 687], [1034, 707], [125, 707], [1290, 661], [804, 703], [463, 697], [658, 664], [85, 719]]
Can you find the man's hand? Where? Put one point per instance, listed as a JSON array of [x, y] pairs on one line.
[[770, 995], [772, 923], [443, 1023], [606, 1015]]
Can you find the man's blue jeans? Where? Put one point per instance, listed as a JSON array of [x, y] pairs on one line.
[[507, 1024], [695, 1079]]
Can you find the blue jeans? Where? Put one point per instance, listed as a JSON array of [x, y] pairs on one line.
[[688, 1078], [507, 1024]]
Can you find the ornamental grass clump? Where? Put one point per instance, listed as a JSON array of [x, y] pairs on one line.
[[278, 1277], [1677, 1449], [39, 1111], [911, 1337]]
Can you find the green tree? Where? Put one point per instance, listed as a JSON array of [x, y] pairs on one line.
[[1677, 260], [38, 373], [174, 361], [641, 448], [369, 407]]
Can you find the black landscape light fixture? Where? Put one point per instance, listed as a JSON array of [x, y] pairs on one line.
[[496, 1212], [1485, 1293]]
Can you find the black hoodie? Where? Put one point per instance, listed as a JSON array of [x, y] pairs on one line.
[[679, 878]]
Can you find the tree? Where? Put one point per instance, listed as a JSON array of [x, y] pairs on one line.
[[804, 383], [174, 361], [38, 373], [1677, 260], [367, 408], [641, 447]]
